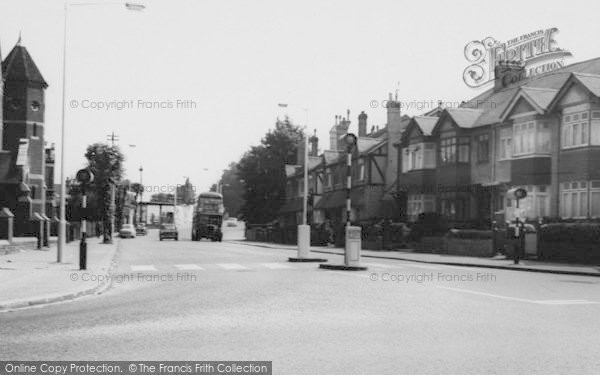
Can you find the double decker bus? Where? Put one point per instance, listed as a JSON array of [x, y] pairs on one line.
[[208, 217]]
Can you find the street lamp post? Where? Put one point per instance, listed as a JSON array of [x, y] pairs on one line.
[[304, 228], [62, 221]]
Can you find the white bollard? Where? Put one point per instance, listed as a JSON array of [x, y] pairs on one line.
[[303, 240], [353, 246]]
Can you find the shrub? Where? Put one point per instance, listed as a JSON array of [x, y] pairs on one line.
[[427, 224], [578, 242]]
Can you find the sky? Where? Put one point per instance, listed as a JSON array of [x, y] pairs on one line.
[[194, 84]]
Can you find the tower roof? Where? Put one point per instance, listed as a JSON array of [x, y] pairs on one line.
[[19, 66]]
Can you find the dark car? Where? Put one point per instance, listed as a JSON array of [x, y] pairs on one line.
[[168, 231], [140, 230]]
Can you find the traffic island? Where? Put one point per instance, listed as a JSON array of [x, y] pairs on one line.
[[342, 267], [306, 260], [352, 253]]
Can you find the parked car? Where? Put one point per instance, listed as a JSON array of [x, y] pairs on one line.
[[127, 231], [140, 230], [168, 231], [231, 222]]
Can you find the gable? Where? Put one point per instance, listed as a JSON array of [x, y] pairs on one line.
[[414, 131], [447, 125], [575, 94], [522, 106]]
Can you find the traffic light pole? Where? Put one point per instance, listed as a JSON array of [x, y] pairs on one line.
[[83, 243]]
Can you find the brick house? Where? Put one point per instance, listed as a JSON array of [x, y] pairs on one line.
[[542, 133]]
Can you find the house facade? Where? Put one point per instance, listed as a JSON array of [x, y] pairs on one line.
[[541, 134]]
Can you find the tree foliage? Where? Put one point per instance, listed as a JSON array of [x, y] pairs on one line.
[[106, 162], [262, 170], [233, 190]]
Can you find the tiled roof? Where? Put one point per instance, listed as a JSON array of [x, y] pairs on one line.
[[365, 144], [494, 104], [591, 81], [426, 123], [542, 97], [464, 117], [19, 66]]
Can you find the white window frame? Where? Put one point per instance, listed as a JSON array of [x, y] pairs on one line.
[[579, 190], [506, 144], [419, 156], [575, 125]]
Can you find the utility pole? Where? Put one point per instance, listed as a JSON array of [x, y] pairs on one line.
[[112, 138]]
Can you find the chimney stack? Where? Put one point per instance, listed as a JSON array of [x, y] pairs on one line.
[[362, 124], [314, 144], [506, 73]]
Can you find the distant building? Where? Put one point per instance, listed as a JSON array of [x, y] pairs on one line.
[[26, 167]]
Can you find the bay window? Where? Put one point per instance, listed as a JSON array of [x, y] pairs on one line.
[[506, 143], [576, 129], [580, 199], [454, 150], [483, 148], [418, 156], [531, 137]]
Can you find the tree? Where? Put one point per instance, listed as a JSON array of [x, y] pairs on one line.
[[233, 190], [262, 169], [106, 162]]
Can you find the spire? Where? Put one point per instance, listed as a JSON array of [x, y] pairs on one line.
[[19, 40]]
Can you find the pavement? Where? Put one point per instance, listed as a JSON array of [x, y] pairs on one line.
[[207, 300], [498, 262], [33, 277]]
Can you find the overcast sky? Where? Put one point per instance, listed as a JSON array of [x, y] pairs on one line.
[[236, 60]]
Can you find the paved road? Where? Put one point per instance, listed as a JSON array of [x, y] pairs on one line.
[[225, 301]]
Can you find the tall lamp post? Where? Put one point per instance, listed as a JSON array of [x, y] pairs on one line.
[[304, 228], [63, 222]]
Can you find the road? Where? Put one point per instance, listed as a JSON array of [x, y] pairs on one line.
[[225, 301]]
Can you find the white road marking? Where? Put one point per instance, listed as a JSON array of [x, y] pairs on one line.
[[276, 266], [190, 267], [542, 302], [232, 266], [143, 268], [568, 302]]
